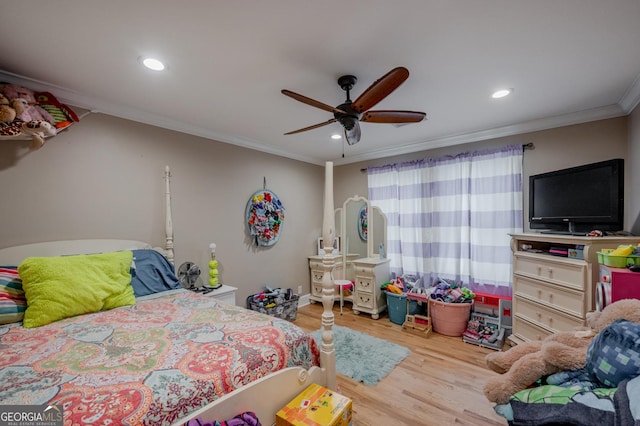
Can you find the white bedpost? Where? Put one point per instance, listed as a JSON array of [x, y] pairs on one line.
[[327, 349], [168, 224]]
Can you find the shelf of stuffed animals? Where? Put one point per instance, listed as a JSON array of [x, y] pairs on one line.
[[29, 115]]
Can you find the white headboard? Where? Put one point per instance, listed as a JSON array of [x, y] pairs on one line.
[[13, 256]]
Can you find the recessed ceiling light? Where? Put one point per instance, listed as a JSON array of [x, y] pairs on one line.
[[501, 93], [152, 64], [336, 136]]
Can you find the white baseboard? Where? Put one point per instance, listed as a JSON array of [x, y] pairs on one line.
[[304, 300]]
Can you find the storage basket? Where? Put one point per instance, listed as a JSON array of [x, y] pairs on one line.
[[449, 319], [287, 309], [397, 307], [605, 258]]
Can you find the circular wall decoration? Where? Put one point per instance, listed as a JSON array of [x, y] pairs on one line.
[[363, 223], [264, 217]]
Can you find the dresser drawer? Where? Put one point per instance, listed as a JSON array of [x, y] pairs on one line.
[[564, 272], [316, 276], [365, 284], [545, 317], [316, 289], [563, 299], [363, 300], [526, 331]]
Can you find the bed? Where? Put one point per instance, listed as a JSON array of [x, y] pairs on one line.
[[166, 356]]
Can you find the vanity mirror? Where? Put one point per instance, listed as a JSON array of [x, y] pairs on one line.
[[364, 231], [363, 228]]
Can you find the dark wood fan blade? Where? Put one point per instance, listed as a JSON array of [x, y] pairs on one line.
[[393, 116], [315, 126], [352, 135], [311, 102], [380, 89]]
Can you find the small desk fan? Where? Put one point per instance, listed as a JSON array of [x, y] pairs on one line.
[[189, 276]]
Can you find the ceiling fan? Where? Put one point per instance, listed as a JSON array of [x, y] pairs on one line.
[[350, 112]]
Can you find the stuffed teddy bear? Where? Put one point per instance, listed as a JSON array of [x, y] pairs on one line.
[[7, 112], [522, 365]]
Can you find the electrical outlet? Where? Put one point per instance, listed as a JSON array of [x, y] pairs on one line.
[[299, 289]]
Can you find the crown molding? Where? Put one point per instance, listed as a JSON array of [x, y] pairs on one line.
[[602, 113], [631, 98], [96, 105], [628, 102]]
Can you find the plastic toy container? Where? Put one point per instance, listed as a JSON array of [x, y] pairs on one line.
[[605, 258], [397, 307], [450, 319]]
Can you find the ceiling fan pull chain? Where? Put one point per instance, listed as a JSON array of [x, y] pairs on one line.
[[264, 182]]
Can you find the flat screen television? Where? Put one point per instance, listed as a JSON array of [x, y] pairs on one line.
[[579, 199]]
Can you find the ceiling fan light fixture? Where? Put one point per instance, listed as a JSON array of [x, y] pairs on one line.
[[336, 136], [501, 93], [350, 113]]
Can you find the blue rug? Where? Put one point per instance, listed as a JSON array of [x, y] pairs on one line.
[[363, 357]]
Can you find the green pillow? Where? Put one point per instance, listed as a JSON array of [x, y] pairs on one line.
[[66, 286]]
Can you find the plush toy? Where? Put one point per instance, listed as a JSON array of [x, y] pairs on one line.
[[14, 91], [23, 100], [7, 112], [38, 130], [522, 365], [27, 112], [61, 113]]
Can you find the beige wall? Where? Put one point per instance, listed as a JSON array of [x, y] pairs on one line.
[[103, 178], [553, 149]]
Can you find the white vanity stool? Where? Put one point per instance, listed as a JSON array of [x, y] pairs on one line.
[[342, 284]]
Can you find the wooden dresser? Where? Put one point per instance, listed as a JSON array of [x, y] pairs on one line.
[[370, 274], [554, 293], [340, 272]]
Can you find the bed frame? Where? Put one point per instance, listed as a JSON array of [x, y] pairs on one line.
[[266, 395]]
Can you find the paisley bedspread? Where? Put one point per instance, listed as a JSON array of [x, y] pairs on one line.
[[150, 363]]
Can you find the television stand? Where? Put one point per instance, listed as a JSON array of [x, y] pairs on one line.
[[554, 293]]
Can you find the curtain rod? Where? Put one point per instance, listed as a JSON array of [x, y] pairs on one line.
[[525, 146]]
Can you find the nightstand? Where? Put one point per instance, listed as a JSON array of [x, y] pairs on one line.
[[226, 293]]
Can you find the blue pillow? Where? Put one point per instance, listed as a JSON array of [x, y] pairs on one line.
[[152, 273]]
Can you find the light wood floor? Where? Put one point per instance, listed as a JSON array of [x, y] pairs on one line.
[[439, 383]]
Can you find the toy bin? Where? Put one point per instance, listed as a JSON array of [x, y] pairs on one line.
[[449, 319], [281, 307], [397, 307], [606, 258]]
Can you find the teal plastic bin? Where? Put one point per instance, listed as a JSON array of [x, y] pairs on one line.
[[397, 307]]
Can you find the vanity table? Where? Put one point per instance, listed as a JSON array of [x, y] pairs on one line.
[[363, 236]]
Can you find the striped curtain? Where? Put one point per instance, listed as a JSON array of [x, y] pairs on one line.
[[450, 217]]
